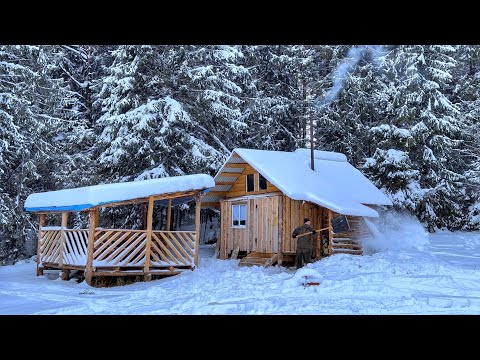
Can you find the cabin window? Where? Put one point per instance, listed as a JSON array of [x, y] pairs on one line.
[[262, 182], [239, 215], [250, 182]]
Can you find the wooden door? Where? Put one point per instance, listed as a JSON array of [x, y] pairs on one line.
[[264, 227]]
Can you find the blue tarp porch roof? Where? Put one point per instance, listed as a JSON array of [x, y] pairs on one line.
[[86, 197]]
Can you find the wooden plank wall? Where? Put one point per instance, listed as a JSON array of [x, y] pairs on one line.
[[295, 211], [271, 221], [262, 231], [239, 186]]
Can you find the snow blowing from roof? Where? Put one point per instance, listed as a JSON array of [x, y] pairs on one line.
[[78, 199]]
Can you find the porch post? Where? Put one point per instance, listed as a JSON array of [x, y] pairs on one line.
[[148, 242], [42, 222], [197, 225], [330, 234], [281, 223], [64, 273], [90, 247]]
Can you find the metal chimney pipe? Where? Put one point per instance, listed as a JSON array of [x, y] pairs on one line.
[[312, 163]]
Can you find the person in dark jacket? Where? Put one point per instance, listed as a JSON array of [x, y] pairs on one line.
[[304, 243]]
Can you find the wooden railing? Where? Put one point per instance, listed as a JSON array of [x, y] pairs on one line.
[[50, 243], [117, 248], [67, 247], [75, 248], [173, 248]]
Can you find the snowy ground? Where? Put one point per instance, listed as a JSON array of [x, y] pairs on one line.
[[443, 278]]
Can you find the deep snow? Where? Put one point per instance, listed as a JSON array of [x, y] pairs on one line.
[[441, 278]]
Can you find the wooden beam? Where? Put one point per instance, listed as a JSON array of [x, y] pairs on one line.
[[281, 204], [176, 195], [223, 230], [223, 183], [138, 273], [90, 246], [229, 174], [42, 222], [235, 165], [212, 204], [169, 215], [330, 234], [62, 238], [197, 226], [148, 244], [216, 193], [173, 195], [64, 219]]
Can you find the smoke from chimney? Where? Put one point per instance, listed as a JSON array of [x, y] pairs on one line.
[[346, 67]]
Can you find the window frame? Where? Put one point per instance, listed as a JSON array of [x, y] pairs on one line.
[[246, 183], [266, 183], [239, 226]]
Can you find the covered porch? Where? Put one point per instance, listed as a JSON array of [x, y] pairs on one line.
[[105, 252]]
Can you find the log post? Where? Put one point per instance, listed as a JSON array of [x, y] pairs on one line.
[[42, 222], [197, 226], [62, 241], [224, 223], [169, 215], [281, 230], [330, 234], [148, 242], [318, 237], [90, 247]]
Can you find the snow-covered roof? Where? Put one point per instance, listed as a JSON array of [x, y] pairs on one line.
[[89, 196], [335, 184]]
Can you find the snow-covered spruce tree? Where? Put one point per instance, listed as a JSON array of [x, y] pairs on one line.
[[467, 95], [80, 66], [275, 107], [426, 127], [32, 105], [167, 110], [346, 115]]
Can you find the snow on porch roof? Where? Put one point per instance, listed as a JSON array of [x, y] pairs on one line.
[[81, 198], [335, 184]]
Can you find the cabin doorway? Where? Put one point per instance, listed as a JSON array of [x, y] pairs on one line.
[[265, 222]]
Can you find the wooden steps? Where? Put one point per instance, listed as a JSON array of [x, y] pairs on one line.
[[346, 246], [348, 251], [259, 259]]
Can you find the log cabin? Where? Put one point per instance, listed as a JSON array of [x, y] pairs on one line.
[[107, 253], [264, 195]]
